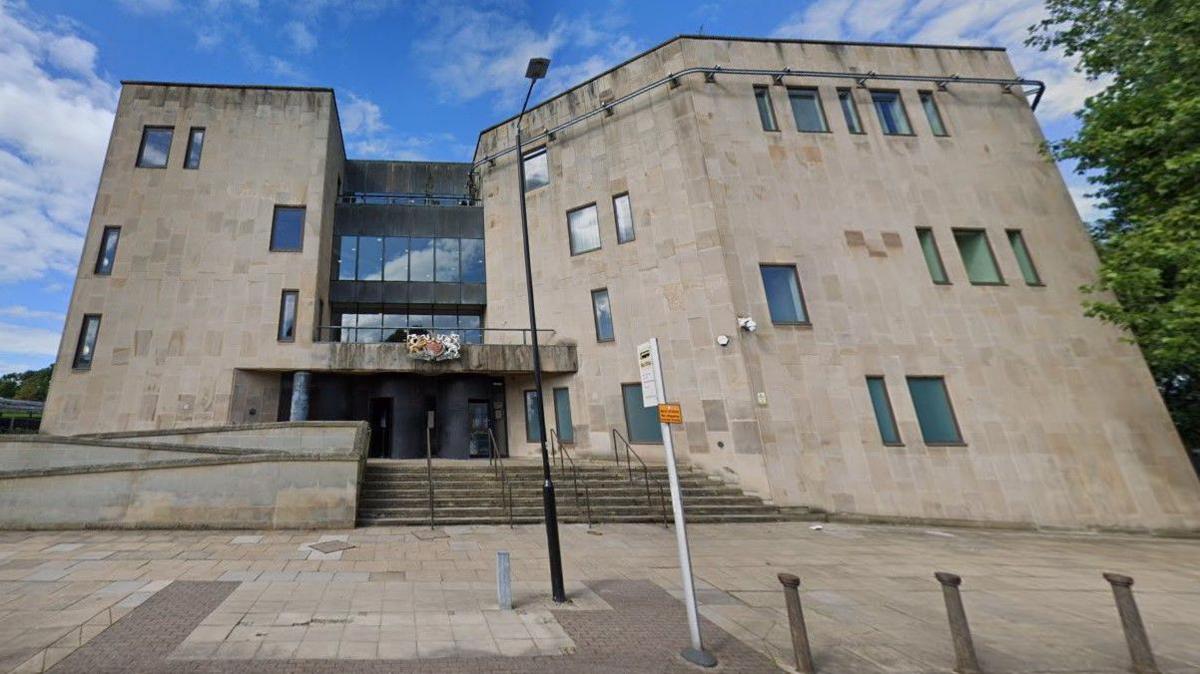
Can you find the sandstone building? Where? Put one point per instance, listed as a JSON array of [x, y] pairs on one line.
[[881, 215]]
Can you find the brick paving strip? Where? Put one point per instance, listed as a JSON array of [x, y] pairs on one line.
[[643, 633]]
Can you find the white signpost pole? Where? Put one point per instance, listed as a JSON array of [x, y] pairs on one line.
[[654, 391]]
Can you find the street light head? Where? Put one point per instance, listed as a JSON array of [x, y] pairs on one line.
[[537, 68]]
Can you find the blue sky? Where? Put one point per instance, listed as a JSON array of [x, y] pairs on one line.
[[415, 79]]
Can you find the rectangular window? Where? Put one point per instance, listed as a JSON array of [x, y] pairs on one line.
[[890, 109], [394, 328], [784, 299], [287, 315], [287, 228], [933, 259], [156, 147], [641, 423], [977, 257], [806, 108], [624, 213], [395, 258], [191, 160], [583, 226], [107, 255], [1024, 259], [533, 429], [602, 311], [370, 258], [85, 348], [766, 111], [850, 111], [537, 169], [562, 416], [470, 325], [347, 258], [932, 114], [446, 261], [473, 268], [883, 411], [420, 259], [934, 413]]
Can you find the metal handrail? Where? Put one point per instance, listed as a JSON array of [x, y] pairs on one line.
[[497, 463], [629, 451], [407, 199], [564, 454], [429, 470]]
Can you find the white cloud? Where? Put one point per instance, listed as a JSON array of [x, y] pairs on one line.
[[360, 116], [19, 311], [300, 36], [27, 341], [149, 6], [1086, 203]]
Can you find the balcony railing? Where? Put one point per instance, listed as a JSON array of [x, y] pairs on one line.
[[393, 335], [403, 199]]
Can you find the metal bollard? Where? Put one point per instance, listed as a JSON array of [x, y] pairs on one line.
[[1131, 623], [965, 661], [503, 582], [791, 592]]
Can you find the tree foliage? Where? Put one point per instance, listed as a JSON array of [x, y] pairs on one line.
[[28, 385], [1140, 144]]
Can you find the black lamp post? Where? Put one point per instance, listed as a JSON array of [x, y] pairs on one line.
[[534, 72]]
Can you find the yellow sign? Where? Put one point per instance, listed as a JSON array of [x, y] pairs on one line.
[[670, 413]]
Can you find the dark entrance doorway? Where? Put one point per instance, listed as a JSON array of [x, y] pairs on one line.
[[380, 417], [480, 428]]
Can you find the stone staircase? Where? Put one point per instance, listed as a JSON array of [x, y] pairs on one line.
[[470, 492]]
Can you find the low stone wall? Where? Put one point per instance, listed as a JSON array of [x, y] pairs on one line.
[[261, 476]]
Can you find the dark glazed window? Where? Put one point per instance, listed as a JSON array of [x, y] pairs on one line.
[[602, 311], [641, 423], [287, 315], [806, 108], [890, 109], [420, 259], [932, 114], [883, 411], [287, 228], [1024, 260], [446, 261], [537, 169], [562, 416], [933, 259], [624, 214], [473, 268], [85, 348], [583, 228], [108, 251], [935, 415], [784, 299], [156, 147], [766, 111], [195, 147], [977, 257], [348, 258], [850, 111], [395, 258], [533, 429], [370, 258]]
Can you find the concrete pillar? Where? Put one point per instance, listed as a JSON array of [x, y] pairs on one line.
[[800, 645], [1131, 622], [300, 380], [965, 661]]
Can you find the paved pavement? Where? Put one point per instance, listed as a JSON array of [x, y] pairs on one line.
[[411, 599]]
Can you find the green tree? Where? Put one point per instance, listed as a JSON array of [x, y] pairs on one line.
[[28, 385], [1139, 143]]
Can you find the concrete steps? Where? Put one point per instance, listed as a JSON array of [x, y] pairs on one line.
[[397, 493]]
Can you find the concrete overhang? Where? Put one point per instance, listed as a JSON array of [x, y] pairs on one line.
[[474, 358]]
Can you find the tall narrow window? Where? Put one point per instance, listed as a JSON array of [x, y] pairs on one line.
[[420, 259], [602, 310], [85, 348], [446, 261], [977, 257], [533, 429], [850, 111], [806, 108], [584, 229], [1024, 259], [784, 299], [287, 315], [107, 255], [624, 213], [370, 258], [935, 415], [156, 147], [473, 261], [933, 259], [537, 169], [195, 147], [883, 411], [348, 258], [890, 109], [395, 258], [287, 228], [766, 111], [641, 423], [932, 114], [562, 416]]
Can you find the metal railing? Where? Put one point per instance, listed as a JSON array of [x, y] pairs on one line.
[[496, 460], [399, 335], [406, 199], [629, 452], [429, 469], [565, 456]]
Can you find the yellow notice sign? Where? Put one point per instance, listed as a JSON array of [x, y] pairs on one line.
[[670, 413]]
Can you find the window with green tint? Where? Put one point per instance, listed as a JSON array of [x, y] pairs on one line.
[[932, 114], [933, 259], [766, 111], [807, 110], [883, 411], [641, 423], [850, 111], [562, 415], [934, 413], [532, 410], [889, 107], [1024, 260], [977, 257]]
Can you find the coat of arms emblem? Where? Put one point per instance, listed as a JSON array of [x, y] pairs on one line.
[[433, 347]]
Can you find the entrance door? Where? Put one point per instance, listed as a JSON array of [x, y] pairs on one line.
[[477, 428], [381, 428]]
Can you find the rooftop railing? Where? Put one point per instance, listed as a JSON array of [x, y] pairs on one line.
[[407, 199]]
